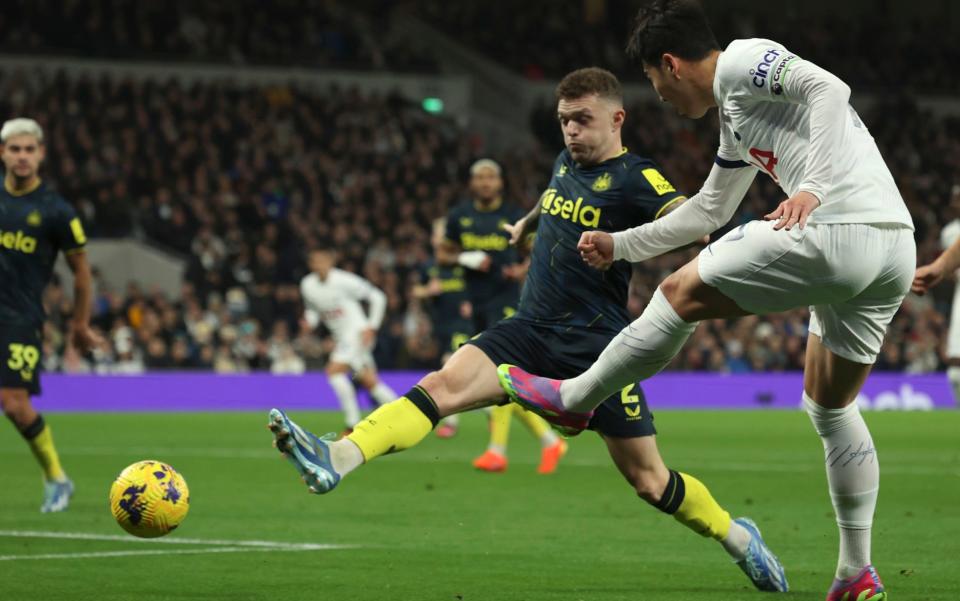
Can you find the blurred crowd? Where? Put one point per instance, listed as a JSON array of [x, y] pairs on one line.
[[318, 34], [870, 49], [240, 180]]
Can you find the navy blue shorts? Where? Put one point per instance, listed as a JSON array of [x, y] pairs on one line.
[[557, 353], [21, 354]]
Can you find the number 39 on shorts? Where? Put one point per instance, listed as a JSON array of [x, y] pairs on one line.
[[23, 356]]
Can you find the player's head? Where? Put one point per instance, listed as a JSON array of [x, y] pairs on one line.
[[671, 40], [590, 110], [321, 259], [23, 150], [486, 181]]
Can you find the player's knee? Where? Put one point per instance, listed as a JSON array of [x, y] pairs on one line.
[[649, 484], [16, 406]]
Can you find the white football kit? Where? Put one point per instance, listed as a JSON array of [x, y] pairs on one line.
[[335, 301], [948, 236], [854, 261]]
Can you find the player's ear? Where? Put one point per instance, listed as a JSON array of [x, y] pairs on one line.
[[619, 115], [670, 65]]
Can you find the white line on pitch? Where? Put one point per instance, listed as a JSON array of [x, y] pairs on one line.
[[99, 554], [264, 544]]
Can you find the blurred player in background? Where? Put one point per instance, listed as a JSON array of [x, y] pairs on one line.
[[444, 289], [842, 243], [567, 314], [930, 275], [475, 239], [332, 296], [36, 224]]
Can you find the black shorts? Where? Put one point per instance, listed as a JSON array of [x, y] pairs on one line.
[[450, 339], [555, 353], [20, 357]]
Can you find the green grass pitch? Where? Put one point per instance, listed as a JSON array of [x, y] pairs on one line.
[[422, 525]]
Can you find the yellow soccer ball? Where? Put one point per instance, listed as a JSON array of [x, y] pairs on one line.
[[149, 499]]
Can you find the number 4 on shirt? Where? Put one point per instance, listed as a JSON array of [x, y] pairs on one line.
[[765, 160]]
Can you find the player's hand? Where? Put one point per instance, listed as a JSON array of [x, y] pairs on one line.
[[466, 310], [926, 278], [596, 249], [794, 210], [368, 336], [516, 230], [515, 272], [84, 338]]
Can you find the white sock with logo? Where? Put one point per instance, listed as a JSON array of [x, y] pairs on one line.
[[347, 395], [853, 475], [639, 351]]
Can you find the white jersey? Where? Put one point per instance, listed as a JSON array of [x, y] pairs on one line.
[[766, 96], [335, 301], [948, 236]]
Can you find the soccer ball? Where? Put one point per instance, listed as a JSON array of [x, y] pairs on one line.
[[149, 499]]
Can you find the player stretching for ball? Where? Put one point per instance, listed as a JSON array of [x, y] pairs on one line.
[[841, 243], [476, 239], [333, 296], [568, 313], [36, 223]]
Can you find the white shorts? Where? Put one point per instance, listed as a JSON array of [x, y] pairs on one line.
[[351, 351], [852, 276]]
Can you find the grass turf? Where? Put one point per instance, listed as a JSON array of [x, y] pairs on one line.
[[427, 527]]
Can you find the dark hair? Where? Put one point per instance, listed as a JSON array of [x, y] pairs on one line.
[[587, 81], [677, 27]]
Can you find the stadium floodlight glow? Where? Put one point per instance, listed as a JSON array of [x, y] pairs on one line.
[[432, 105]]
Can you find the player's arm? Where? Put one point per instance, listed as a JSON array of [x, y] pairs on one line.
[[311, 317], [523, 227], [450, 253], [83, 336], [700, 215], [362, 290], [930, 275]]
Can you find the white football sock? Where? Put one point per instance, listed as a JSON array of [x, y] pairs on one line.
[[345, 456], [383, 394], [639, 351], [853, 474], [953, 374], [737, 541], [548, 438], [347, 395]]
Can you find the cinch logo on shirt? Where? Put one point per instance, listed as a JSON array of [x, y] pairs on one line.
[[485, 242], [18, 241], [566, 208]]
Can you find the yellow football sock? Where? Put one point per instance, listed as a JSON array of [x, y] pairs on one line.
[[46, 454], [698, 510], [394, 427], [500, 427], [536, 424]]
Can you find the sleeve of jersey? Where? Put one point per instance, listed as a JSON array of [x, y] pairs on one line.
[[360, 289], [69, 231], [452, 229], [768, 72], [309, 313], [702, 214], [652, 193]]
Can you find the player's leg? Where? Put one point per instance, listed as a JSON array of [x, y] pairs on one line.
[[494, 458], [370, 380], [467, 381], [31, 425], [845, 338], [626, 426], [639, 351], [447, 428], [552, 447], [338, 374]]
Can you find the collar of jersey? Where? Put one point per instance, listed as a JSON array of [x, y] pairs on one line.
[[496, 205], [32, 188]]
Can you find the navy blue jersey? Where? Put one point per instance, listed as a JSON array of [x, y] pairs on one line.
[[445, 307], [563, 291], [475, 228], [34, 227]]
